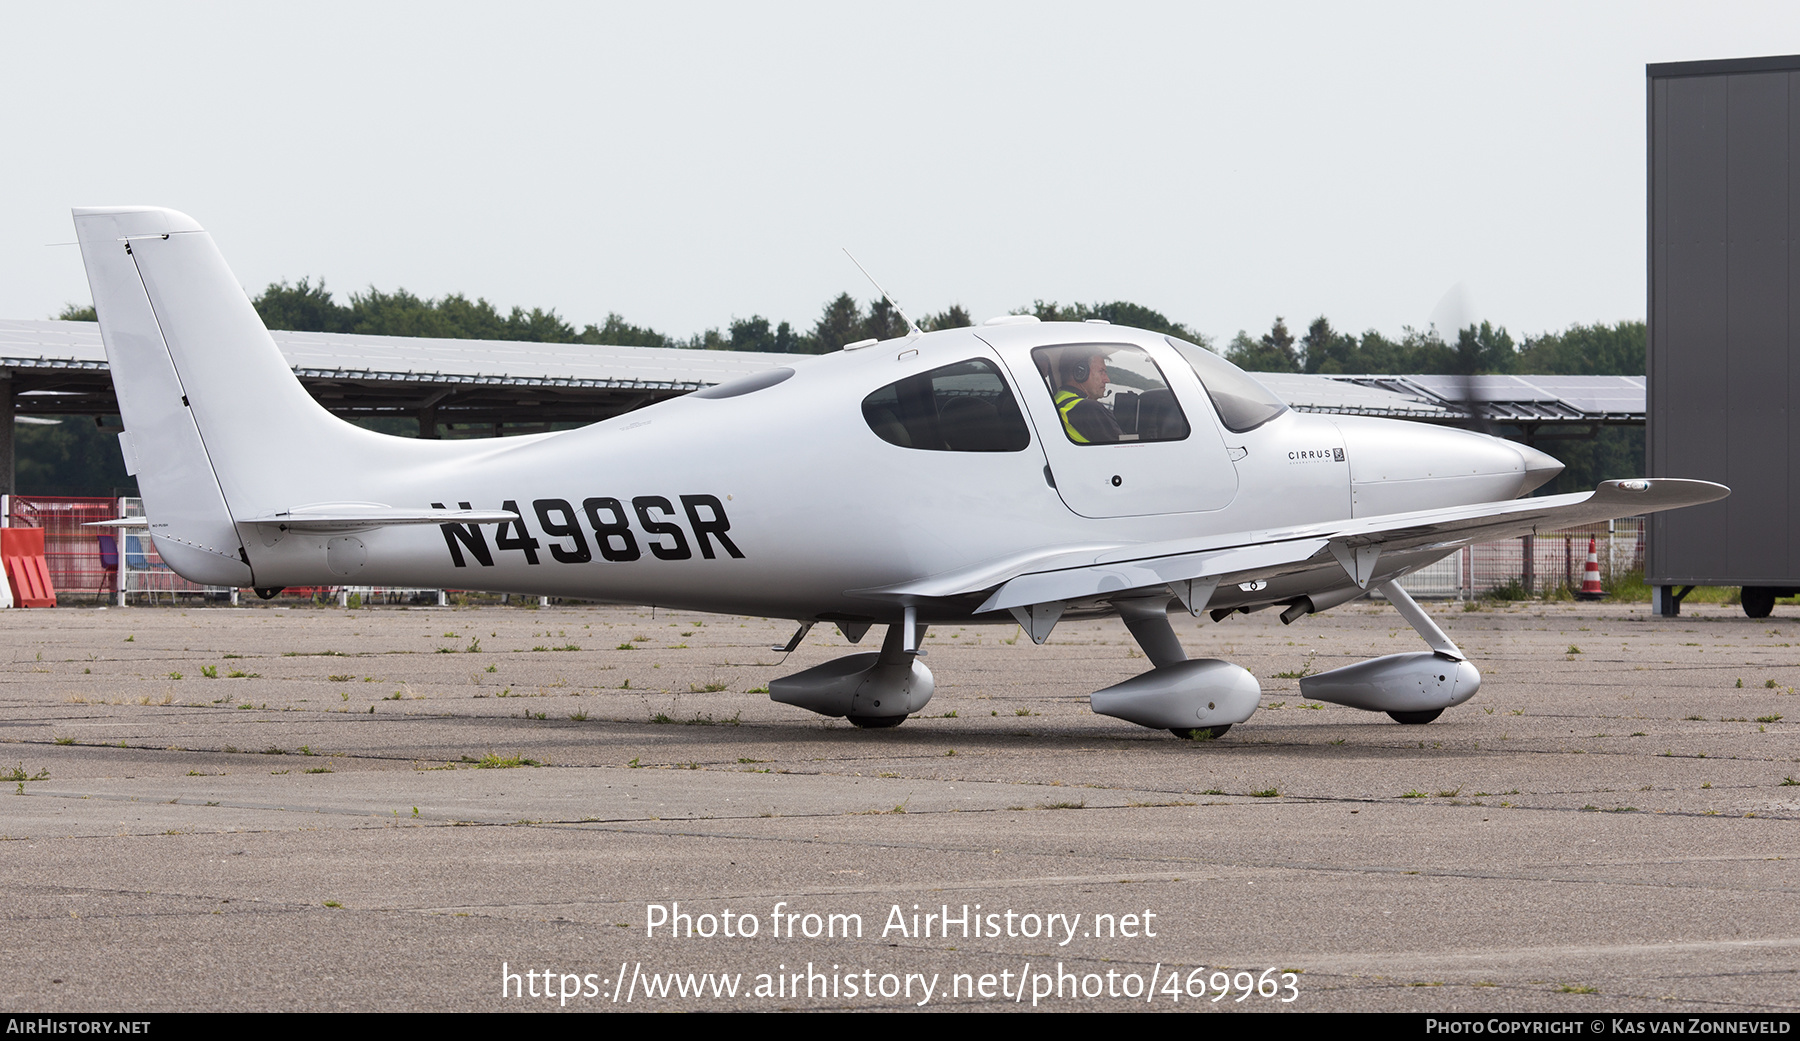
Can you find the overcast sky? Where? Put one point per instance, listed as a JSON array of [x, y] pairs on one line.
[[684, 164]]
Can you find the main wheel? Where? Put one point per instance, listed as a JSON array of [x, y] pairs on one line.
[[1758, 601], [1201, 733], [1417, 718], [876, 722]]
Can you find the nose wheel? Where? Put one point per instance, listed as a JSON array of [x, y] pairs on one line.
[[1416, 718], [1202, 733]]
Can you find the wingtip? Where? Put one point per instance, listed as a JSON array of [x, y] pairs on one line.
[[1663, 493]]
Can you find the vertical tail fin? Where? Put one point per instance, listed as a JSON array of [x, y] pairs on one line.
[[217, 423]]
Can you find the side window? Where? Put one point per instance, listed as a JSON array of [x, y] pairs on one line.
[[964, 407], [1108, 392]]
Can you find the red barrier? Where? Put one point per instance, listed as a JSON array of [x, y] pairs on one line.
[[22, 550]]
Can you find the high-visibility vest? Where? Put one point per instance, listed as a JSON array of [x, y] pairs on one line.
[[1066, 400]]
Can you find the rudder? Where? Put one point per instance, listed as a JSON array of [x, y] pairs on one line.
[[189, 517]]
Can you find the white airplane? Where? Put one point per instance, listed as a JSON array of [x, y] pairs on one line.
[[1016, 471]]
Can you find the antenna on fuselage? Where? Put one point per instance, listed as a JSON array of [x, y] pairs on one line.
[[912, 327]]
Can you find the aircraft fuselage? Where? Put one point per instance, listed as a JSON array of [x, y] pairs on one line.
[[781, 500]]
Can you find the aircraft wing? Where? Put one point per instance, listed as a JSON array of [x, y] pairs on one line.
[[1192, 567]]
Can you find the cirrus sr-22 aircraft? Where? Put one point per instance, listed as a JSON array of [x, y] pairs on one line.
[[1015, 471]]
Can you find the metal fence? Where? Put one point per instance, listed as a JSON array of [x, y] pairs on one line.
[[1534, 565]]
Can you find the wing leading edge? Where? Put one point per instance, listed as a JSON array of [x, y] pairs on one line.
[[1191, 568]]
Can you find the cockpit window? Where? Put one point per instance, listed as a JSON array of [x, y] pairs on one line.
[[1106, 393], [965, 407], [1243, 403]]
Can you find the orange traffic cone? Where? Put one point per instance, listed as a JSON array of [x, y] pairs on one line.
[[1590, 577]]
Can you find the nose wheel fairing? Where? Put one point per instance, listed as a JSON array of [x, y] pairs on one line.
[[1423, 681], [1413, 688]]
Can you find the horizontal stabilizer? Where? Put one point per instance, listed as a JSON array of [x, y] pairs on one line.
[[356, 516]]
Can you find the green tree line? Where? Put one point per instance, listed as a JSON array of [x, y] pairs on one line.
[[308, 307], [1580, 350], [1599, 349]]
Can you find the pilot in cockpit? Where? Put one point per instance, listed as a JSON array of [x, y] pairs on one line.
[[1081, 380]]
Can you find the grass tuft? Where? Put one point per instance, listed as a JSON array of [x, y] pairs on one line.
[[496, 761]]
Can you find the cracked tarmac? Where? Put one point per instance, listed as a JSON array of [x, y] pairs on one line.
[[309, 808]]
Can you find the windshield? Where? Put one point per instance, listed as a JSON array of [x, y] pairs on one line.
[[1243, 403]]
